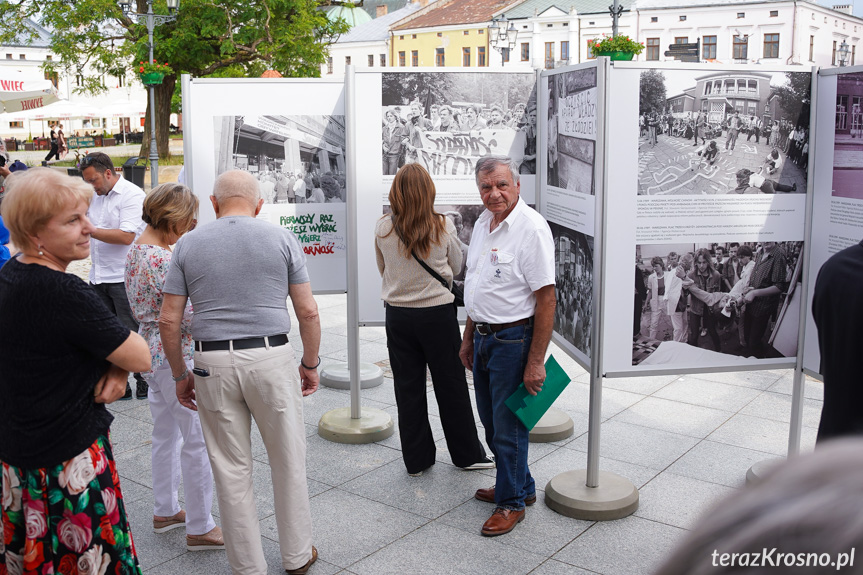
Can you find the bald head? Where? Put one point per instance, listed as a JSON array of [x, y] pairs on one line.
[[236, 185]]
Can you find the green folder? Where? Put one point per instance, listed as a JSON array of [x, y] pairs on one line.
[[530, 408]]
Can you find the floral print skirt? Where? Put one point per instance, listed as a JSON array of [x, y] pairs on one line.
[[67, 519]]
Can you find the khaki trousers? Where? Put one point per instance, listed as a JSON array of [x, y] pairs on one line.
[[262, 383]]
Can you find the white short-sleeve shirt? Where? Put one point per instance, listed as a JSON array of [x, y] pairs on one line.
[[119, 209], [505, 267]]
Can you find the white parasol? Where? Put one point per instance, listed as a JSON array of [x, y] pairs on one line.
[[17, 93]]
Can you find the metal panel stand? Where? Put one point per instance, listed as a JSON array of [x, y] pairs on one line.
[[354, 424], [338, 376]]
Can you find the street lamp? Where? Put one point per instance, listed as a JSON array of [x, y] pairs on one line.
[[500, 37], [843, 53], [151, 20]]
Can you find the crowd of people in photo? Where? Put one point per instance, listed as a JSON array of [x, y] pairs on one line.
[[301, 186], [734, 290], [402, 129], [572, 316], [786, 141]]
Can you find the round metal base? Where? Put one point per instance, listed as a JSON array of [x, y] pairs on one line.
[[756, 473], [338, 376], [614, 498], [553, 426], [373, 425]]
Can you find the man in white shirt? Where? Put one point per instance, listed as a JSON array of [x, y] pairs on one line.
[[115, 211], [510, 301]]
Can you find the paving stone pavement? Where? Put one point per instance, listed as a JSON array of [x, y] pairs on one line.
[[684, 441], [672, 166]]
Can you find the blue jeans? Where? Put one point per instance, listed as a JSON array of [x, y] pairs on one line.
[[499, 360]]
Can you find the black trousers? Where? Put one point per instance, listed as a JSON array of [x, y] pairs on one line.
[[417, 337]]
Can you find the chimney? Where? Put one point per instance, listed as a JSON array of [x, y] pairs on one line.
[[380, 10], [844, 8]]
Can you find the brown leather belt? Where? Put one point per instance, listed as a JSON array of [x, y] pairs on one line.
[[490, 328]]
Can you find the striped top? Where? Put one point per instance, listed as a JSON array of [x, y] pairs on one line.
[[405, 282]]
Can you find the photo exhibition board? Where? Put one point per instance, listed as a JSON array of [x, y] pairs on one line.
[[444, 121], [290, 135], [702, 163], [571, 186], [837, 202]]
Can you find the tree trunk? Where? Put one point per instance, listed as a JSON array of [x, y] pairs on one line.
[[163, 93]]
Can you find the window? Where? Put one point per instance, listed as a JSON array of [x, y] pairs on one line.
[[79, 79], [401, 37], [741, 14], [16, 124], [564, 51], [465, 57], [49, 57], [415, 58], [683, 18], [525, 51], [549, 25], [590, 44], [853, 54], [833, 57], [413, 36], [681, 39], [55, 78], [371, 60], [347, 60], [480, 31], [771, 45], [439, 57], [653, 48], [774, 13], [383, 58], [480, 56], [504, 54], [549, 55], [9, 56], [402, 59], [22, 56], [121, 81], [740, 49], [708, 48], [654, 18], [467, 32], [440, 34], [811, 48]]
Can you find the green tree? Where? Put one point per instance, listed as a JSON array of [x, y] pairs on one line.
[[228, 38], [652, 92]]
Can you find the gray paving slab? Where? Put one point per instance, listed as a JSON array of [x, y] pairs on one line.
[[552, 567], [382, 394], [543, 531], [130, 435], [135, 464], [336, 463], [646, 385], [639, 445], [438, 490], [152, 548], [752, 379], [629, 546], [348, 528], [696, 391], [317, 404], [718, 463], [760, 434], [440, 548], [675, 417], [777, 406], [812, 388], [140, 411], [677, 500], [569, 460], [133, 491], [576, 398]]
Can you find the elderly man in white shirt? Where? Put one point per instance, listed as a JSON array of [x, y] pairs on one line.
[[115, 211], [510, 301]]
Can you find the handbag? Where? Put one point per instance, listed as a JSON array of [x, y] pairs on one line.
[[456, 290]]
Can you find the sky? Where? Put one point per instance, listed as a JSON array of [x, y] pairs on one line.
[[858, 5]]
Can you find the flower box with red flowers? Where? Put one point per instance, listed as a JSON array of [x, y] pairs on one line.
[[153, 72]]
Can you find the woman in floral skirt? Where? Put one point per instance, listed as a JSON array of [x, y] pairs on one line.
[[65, 356]]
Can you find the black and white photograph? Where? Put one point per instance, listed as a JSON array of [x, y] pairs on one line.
[[725, 132], [572, 126], [447, 121], [296, 159], [573, 259], [848, 143], [693, 301]]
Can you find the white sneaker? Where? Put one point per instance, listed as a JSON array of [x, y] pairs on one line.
[[486, 463]]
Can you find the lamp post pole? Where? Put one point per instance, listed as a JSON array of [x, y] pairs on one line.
[[151, 20]]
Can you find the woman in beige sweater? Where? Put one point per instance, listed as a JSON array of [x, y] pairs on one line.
[[422, 328]]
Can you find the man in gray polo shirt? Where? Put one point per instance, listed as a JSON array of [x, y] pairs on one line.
[[238, 272]]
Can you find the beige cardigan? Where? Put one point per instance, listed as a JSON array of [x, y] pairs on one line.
[[405, 282]]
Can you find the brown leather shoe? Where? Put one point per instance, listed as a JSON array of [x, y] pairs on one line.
[[502, 521], [305, 568], [487, 495]]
